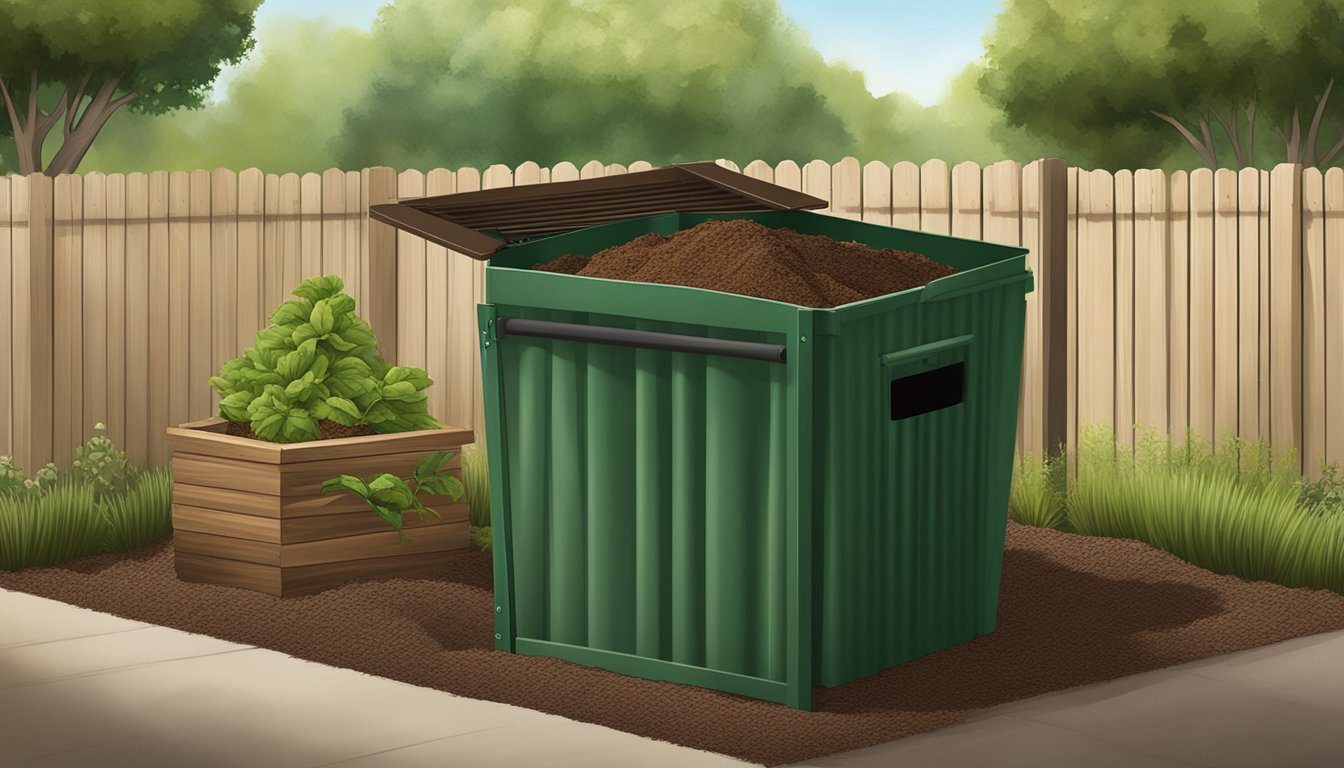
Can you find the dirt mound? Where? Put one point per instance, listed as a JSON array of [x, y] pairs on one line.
[[743, 257]]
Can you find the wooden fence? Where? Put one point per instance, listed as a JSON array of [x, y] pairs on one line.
[[1205, 300]]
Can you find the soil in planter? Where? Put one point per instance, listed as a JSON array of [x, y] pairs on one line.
[[746, 258], [1073, 610], [327, 430]]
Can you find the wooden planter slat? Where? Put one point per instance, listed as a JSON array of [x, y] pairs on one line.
[[207, 437], [252, 514], [305, 580], [299, 479], [217, 523], [354, 523], [425, 538]]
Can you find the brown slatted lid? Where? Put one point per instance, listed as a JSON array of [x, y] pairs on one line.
[[460, 221]]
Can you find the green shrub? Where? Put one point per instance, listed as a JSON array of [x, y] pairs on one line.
[[50, 528], [1038, 491], [318, 360]]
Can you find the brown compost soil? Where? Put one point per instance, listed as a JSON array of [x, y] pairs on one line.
[[1073, 610], [743, 257], [326, 429]]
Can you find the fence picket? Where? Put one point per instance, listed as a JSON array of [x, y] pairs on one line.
[[1201, 304], [1249, 214], [1333, 417], [1151, 299], [114, 355], [1314, 328], [438, 298], [1225, 390], [137, 422], [1178, 339]]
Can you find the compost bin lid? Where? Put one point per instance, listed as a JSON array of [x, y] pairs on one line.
[[513, 214]]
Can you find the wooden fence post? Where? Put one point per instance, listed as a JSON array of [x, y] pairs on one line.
[[1285, 319], [33, 303], [1053, 284], [380, 280]]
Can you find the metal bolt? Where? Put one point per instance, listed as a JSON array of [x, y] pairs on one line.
[[498, 609], [497, 635], [804, 338], [487, 343]]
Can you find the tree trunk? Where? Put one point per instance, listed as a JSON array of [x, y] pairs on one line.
[[80, 132], [31, 134], [1205, 148]]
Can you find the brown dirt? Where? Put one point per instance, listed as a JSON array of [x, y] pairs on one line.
[[743, 257], [326, 430], [1073, 610]]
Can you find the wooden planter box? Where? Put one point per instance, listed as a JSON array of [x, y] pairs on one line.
[[249, 513]]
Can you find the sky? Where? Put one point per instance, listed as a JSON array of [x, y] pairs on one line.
[[900, 45]]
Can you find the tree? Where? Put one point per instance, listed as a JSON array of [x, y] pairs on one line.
[[99, 57], [1120, 83], [480, 81]]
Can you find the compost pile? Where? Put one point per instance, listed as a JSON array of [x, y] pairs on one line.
[[746, 258]]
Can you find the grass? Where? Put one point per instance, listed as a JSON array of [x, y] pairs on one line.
[[68, 520], [1239, 509], [476, 480]]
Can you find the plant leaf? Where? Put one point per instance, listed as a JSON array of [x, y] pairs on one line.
[[346, 483], [322, 318], [235, 406], [316, 289], [292, 312], [431, 464], [443, 485], [343, 411]]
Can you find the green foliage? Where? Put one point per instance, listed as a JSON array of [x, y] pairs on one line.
[[483, 539], [101, 463], [1240, 509], [141, 515], [1038, 491], [101, 504], [1089, 75], [546, 81], [1323, 496], [476, 478], [165, 53], [318, 360], [390, 496]]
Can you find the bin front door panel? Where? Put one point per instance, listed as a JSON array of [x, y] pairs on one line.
[[646, 506]]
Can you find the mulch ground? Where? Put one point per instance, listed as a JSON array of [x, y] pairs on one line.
[[1073, 610]]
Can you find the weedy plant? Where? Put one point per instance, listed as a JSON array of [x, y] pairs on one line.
[[1239, 509], [476, 479], [390, 496], [100, 504], [318, 360]]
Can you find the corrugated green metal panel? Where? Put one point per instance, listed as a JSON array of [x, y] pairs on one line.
[[647, 496], [910, 514]]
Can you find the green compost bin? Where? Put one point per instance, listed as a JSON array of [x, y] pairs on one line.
[[757, 497]]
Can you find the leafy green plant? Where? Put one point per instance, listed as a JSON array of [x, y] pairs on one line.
[[102, 463], [12, 479], [318, 360], [390, 496], [1324, 495]]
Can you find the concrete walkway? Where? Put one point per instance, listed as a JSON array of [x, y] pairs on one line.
[[84, 689]]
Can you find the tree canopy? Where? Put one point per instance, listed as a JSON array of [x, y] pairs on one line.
[[74, 64], [1121, 83], [473, 82]]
